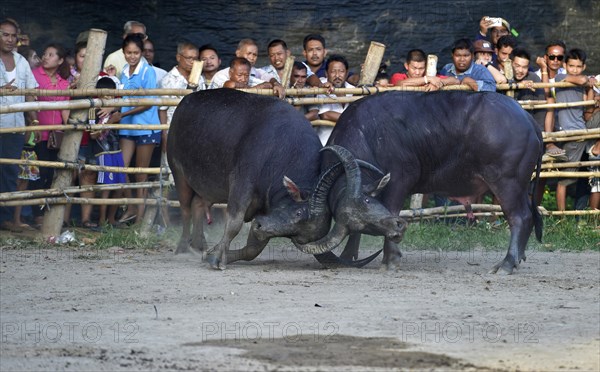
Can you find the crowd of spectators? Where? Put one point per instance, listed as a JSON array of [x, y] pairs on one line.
[[479, 64]]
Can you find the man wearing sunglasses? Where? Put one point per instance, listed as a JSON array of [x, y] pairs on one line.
[[552, 62]]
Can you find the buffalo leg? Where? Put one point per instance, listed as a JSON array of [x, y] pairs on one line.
[[351, 250], [199, 208], [393, 199], [391, 254], [253, 248], [515, 205], [185, 195]]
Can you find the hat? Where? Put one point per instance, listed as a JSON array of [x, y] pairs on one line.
[[505, 24], [483, 46]]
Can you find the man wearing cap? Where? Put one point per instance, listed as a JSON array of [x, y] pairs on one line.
[[483, 56], [476, 76]]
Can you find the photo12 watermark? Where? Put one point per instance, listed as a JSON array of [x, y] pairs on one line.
[[68, 332], [470, 332], [269, 331]]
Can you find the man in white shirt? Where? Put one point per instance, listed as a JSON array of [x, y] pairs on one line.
[[337, 73], [15, 73]]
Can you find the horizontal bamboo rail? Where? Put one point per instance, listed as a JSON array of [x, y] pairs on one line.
[[479, 210], [91, 201], [575, 164], [98, 103], [18, 195], [366, 90], [88, 127], [87, 104], [578, 174], [96, 168]]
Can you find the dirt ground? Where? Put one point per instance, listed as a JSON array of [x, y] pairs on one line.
[[76, 308]]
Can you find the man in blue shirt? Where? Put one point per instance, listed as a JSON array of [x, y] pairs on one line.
[[462, 67]]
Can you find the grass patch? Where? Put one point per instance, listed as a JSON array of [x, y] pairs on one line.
[[570, 233], [558, 233]]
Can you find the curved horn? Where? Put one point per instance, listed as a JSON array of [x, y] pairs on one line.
[[331, 261], [353, 177], [326, 243], [318, 199]]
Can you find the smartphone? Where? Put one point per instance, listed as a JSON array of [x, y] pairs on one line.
[[495, 21]]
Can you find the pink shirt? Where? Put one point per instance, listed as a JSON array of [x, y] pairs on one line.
[[44, 82]]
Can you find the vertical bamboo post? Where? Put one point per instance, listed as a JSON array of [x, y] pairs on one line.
[[195, 74], [432, 61], [509, 74], [54, 217], [287, 71], [372, 63]]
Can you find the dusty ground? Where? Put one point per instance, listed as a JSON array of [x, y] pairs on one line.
[[83, 309]]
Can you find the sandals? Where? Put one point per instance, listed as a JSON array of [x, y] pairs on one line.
[[555, 153], [90, 225]]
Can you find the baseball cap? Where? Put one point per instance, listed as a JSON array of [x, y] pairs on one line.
[[483, 46]]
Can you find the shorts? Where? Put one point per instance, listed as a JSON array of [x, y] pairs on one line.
[[29, 172], [146, 139], [86, 155], [111, 159]]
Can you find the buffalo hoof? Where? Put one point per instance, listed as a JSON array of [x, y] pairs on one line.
[[215, 262], [393, 261], [182, 248], [507, 265]]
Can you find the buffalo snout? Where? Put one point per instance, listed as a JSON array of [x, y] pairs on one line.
[[398, 227]]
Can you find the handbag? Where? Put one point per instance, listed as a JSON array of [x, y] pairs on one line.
[[55, 138]]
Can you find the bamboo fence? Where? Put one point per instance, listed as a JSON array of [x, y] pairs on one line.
[[56, 196]]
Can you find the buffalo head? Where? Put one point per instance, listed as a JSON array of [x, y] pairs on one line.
[[355, 209]]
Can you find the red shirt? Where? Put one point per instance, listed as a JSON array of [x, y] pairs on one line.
[[402, 76]]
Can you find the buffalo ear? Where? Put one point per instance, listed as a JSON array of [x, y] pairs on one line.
[[375, 188], [293, 189]]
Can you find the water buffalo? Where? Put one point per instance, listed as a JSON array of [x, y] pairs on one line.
[[260, 156], [457, 144]]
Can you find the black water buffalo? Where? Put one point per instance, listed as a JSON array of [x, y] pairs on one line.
[[457, 144], [260, 156]]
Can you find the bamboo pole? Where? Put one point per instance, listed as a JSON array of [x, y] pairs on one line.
[[358, 92], [89, 92], [287, 71], [372, 62], [96, 92], [509, 74], [432, 61], [53, 218], [566, 133], [61, 201], [195, 74], [576, 164], [20, 195], [321, 122], [87, 104], [489, 210], [38, 128], [77, 165], [558, 174]]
